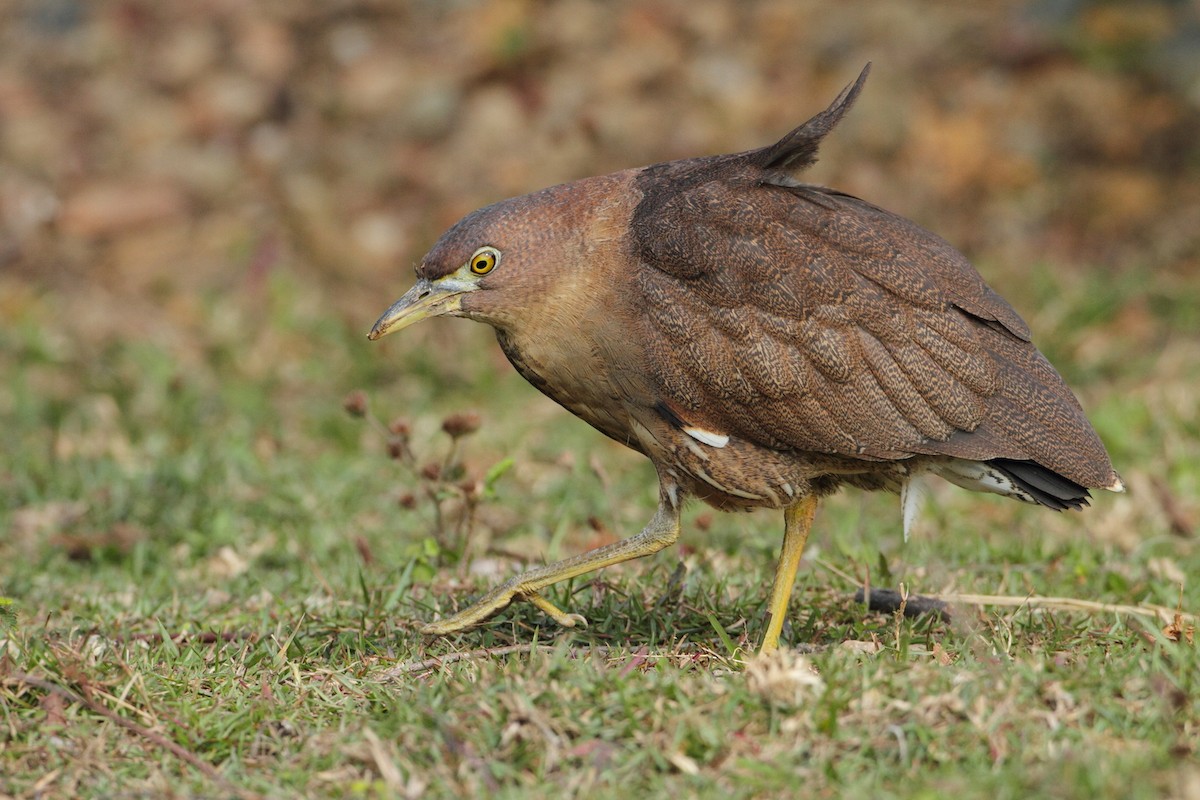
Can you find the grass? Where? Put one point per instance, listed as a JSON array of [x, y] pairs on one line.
[[214, 574]]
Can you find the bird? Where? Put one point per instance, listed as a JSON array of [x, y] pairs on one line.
[[763, 341]]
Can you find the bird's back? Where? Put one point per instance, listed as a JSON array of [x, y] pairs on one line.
[[804, 320]]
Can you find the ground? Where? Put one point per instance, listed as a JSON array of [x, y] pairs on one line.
[[224, 513]]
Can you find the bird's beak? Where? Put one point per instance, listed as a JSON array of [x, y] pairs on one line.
[[424, 300]]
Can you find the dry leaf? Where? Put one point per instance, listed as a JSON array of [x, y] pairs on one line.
[[54, 706], [227, 563], [867, 648], [684, 764], [1177, 631], [783, 677]]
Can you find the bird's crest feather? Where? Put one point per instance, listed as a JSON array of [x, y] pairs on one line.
[[798, 149]]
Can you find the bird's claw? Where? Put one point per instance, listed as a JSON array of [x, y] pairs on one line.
[[555, 613]]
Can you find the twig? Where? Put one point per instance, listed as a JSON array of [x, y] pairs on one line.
[[890, 601], [409, 667], [157, 739], [1065, 603]]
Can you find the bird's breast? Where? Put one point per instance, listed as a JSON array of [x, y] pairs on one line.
[[572, 375]]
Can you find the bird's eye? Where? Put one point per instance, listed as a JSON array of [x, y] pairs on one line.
[[485, 260]]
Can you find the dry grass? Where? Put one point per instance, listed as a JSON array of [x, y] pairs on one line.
[[234, 612]]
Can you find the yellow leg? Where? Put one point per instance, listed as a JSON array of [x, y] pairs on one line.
[[661, 532], [797, 520]]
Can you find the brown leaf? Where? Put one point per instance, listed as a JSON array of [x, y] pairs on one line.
[[54, 705], [1177, 631]]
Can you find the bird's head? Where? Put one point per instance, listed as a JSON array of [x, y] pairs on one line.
[[495, 263]]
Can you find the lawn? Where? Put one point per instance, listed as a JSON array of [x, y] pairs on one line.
[[217, 557]]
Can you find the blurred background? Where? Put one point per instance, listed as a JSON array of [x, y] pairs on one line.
[[193, 192], [151, 152]]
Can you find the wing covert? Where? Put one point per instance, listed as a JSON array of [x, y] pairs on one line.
[[828, 326]]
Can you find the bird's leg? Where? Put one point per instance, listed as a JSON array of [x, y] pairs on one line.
[[797, 520], [661, 532]]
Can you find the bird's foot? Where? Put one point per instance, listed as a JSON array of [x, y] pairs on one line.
[[661, 531], [496, 600]]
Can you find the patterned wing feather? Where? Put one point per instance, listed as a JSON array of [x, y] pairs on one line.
[[805, 319]]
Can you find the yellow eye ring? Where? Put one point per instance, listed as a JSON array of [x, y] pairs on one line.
[[484, 260]]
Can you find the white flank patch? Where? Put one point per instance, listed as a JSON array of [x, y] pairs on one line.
[[707, 437], [971, 475], [912, 500], [979, 477]]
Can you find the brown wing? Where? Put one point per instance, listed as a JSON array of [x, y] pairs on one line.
[[801, 318]]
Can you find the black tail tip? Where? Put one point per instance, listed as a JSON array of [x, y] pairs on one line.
[[1043, 485]]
